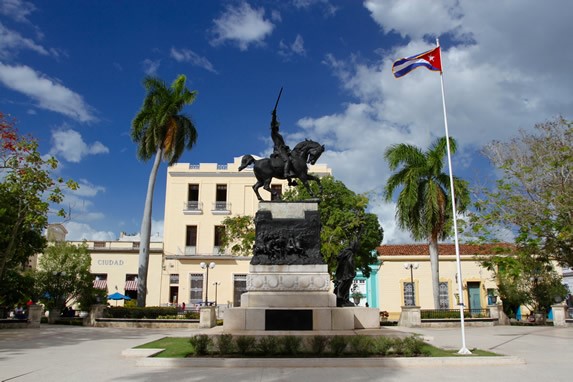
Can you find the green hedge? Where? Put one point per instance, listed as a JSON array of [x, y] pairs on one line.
[[150, 312], [304, 346], [441, 314]]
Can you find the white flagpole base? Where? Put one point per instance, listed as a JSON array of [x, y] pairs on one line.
[[464, 351]]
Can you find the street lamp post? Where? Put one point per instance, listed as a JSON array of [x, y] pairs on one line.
[[206, 266], [216, 283], [411, 267]]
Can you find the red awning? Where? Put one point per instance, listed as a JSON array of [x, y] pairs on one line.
[[131, 285], [100, 284]]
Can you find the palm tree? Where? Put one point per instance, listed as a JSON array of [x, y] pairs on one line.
[[424, 203], [160, 130]]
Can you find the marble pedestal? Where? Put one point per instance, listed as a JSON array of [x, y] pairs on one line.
[[288, 285], [294, 297]]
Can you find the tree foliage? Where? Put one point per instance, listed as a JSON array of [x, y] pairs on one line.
[[523, 278], [160, 130], [534, 196], [343, 215], [239, 235], [63, 275], [424, 203], [27, 190]]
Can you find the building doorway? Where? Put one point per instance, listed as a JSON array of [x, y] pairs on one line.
[[474, 297]]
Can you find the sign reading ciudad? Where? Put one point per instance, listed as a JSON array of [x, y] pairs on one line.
[[110, 262]]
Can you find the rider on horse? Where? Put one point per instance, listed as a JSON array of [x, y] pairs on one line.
[[280, 148]]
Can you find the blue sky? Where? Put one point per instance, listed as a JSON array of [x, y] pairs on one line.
[[71, 73]]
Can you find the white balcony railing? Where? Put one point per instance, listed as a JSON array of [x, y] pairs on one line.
[[221, 207], [193, 206]]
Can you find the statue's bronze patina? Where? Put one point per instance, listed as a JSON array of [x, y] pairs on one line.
[[284, 163], [345, 273]]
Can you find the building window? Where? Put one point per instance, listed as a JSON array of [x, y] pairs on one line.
[[239, 287], [191, 240], [99, 244], [100, 281], [409, 294], [196, 288], [278, 190], [444, 295], [193, 197], [131, 286], [218, 240], [174, 278], [221, 197]]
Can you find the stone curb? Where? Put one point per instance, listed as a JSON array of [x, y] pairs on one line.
[[404, 362], [140, 353]]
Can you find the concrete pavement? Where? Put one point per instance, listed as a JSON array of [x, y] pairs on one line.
[[84, 354]]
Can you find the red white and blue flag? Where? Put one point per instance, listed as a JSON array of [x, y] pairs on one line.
[[429, 60]]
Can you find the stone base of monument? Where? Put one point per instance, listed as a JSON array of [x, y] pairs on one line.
[[294, 297]]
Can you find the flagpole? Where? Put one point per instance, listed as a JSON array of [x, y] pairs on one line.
[[464, 349]]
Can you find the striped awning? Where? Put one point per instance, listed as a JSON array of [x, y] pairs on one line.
[[131, 285], [100, 284]]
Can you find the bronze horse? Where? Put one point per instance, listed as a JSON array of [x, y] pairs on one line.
[[266, 169]]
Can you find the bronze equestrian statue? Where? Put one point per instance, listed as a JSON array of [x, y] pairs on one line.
[[284, 163]]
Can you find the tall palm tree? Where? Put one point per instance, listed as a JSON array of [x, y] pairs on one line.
[[160, 130], [424, 202]]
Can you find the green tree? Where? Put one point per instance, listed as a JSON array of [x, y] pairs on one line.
[[161, 131], [343, 215], [524, 278], [534, 196], [27, 190], [239, 235], [423, 205], [63, 275]]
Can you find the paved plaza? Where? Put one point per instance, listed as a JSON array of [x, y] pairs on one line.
[[84, 354]]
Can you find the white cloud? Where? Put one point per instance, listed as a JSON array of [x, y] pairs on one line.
[[150, 67], [88, 189], [187, 55], [156, 233], [49, 94], [69, 144], [491, 90], [242, 25], [82, 231], [386, 215], [415, 18], [11, 42], [295, 48], [329, 9], [17, 9]]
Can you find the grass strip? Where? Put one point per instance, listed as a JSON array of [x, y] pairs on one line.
[[175, 347], [180, 347]]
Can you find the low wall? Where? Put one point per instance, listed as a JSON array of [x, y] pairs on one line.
[[144, 323], [12, 323], [453, 323]]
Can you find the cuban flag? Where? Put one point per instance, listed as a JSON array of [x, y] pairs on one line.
[[430, 60]]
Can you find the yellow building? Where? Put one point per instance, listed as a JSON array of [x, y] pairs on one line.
[[115, 263], [405, 277]]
